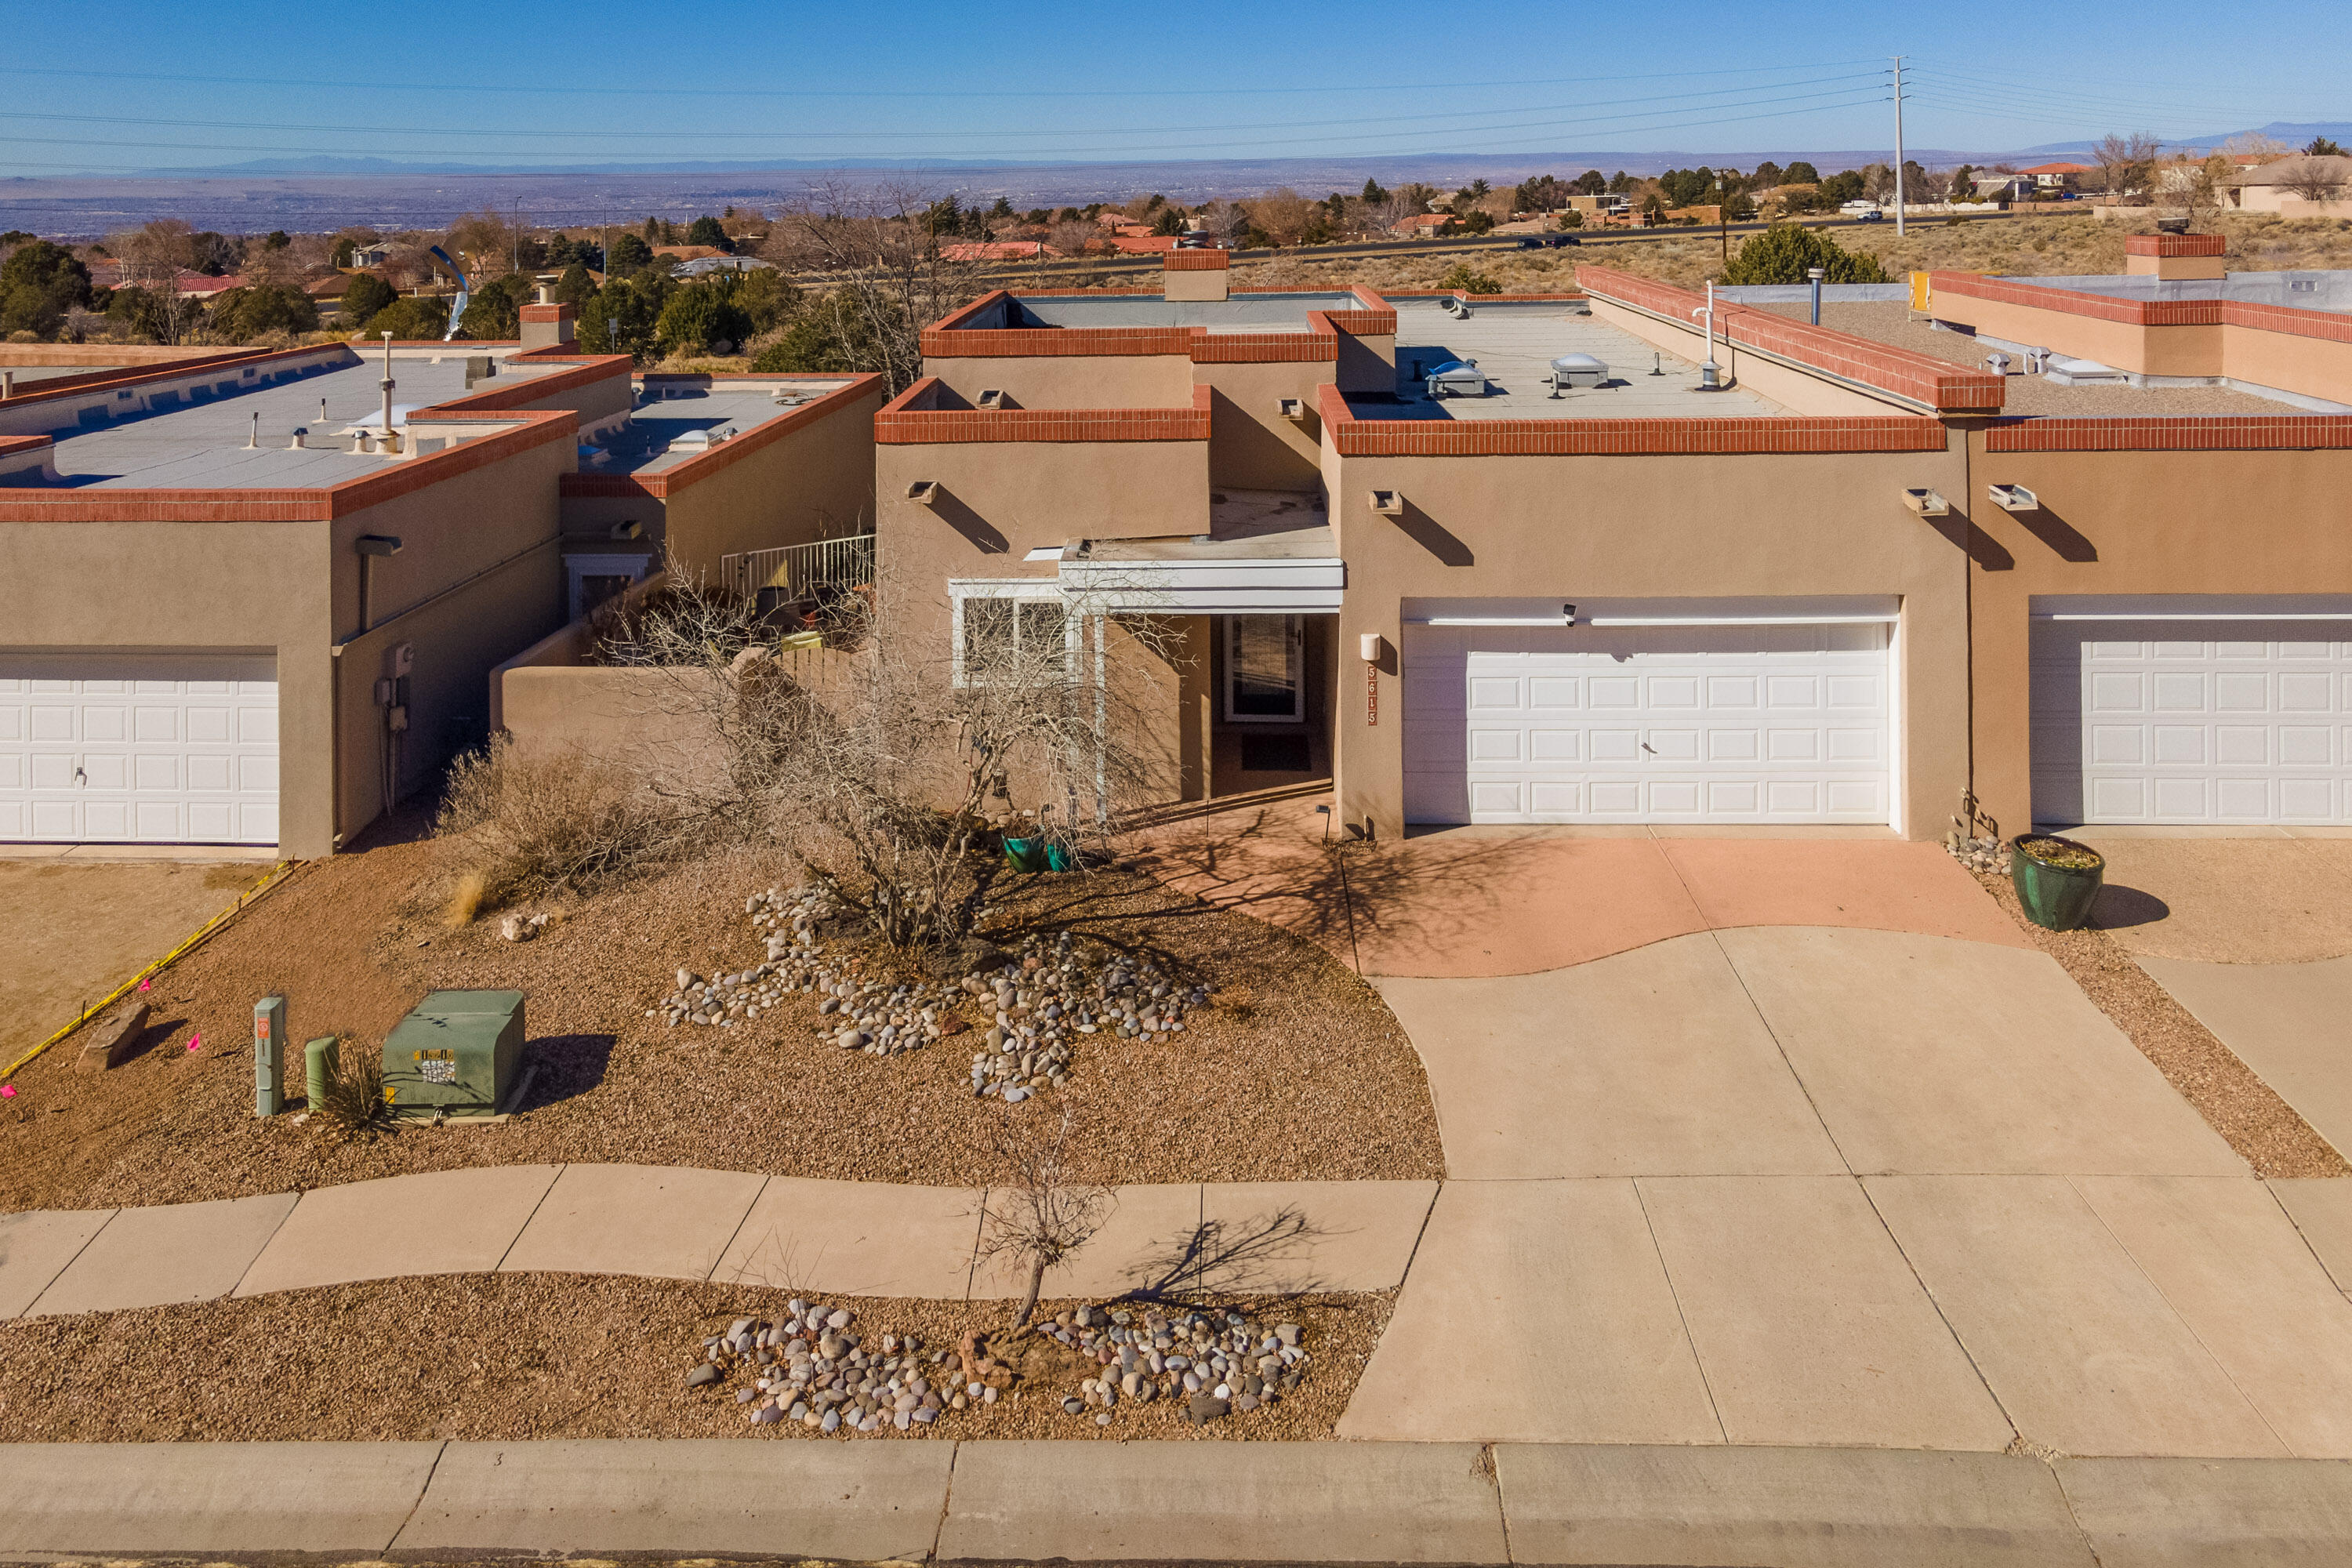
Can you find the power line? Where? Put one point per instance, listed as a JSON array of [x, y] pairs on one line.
[[704, 93]]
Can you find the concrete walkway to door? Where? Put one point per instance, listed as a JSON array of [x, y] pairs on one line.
[[1472, 902]]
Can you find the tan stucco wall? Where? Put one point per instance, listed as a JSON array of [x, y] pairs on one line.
[[1794, 389], [1073, 380], [2315, 367], [1250, 445], [1636, 527], [2135, 523], [1367, 363], [814, 482], [2127, 346], [2169, 268], [1212, 283]]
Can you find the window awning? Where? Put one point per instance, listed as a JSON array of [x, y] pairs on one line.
[[1201, 586]]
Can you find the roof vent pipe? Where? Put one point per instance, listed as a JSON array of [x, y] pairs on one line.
[[1814, 275], [253, 442], [386, 384], [1710, 375]]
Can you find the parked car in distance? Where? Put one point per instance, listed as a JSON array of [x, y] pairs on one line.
[[1547, 241], [1457, 378], [1196, 242]]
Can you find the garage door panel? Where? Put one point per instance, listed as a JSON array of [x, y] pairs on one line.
[[144, 748], [2241, 725], [1686, 724]]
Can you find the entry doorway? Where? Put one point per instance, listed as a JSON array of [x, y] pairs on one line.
[[1270, 683]]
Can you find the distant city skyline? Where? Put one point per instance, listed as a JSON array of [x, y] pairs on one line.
[[534, 84]]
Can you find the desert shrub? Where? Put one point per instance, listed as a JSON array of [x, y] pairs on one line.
[[535, 826], [354, 1104], [1782, 253], [1470, 282]]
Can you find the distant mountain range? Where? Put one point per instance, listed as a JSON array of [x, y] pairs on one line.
[[323, 192], [2277, 131]]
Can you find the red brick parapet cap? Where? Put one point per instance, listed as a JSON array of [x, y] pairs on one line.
[[2175, 244], [1763, 434], [914, 419], [1936, 383], [1197, 261]]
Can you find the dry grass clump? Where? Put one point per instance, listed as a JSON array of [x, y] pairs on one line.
[[542, 825]]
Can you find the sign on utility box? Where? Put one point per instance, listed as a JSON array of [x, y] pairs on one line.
[[269, 1055]]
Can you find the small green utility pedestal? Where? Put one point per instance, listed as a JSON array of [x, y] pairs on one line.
[[317, 1065], [269, 1055], [454, 1054]]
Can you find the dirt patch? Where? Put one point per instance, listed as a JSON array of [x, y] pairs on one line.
[[72, 930], [2247, 1113], [1298, 1072], [516, 1357]]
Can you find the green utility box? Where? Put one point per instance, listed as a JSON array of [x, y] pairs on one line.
[[456, 1054]]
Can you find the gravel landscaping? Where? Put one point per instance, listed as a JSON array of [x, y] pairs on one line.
[[1292, 1071], [512, 1357], [2247, 1113]]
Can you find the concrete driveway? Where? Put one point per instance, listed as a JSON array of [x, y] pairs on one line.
[[74, 927], [1790, 1182]]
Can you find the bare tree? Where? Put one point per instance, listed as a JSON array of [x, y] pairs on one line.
[[1283, 213], [888, 761], [2254, 144], [2315, 179], [2127, 163], [154, 257], [885, 263], [1038, 1218]]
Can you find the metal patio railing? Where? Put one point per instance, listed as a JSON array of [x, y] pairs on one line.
[[797, 572]]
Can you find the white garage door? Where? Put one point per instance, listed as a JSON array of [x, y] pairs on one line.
[[1727, 723], [2193, 722], [139, 748]]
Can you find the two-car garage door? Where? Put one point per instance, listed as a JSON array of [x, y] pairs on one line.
[[139, 748], [2185, 719], [1723, 724]]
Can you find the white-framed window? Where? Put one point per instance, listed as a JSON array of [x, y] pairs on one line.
[[1265, 676], [1014, 619]]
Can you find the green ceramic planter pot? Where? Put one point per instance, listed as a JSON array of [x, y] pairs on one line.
[[1025, 854], [2057, 898]]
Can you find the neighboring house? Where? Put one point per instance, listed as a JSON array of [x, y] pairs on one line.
[[365, 256], [2057, 176], [690, 252], [268, 622], [706, 266], [1144, 244], [1421, 226], [2297, 185], [1840, 591]]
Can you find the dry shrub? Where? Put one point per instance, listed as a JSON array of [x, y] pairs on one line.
[[465, 901], [354, 1104], [545, 825]]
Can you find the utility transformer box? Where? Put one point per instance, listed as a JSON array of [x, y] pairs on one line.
[[456, 1054]]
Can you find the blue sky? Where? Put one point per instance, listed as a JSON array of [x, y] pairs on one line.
[[527, 81]]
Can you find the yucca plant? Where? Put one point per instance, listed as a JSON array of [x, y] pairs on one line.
[[354, 1104]]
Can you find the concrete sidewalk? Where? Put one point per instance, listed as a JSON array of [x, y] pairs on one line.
[[1204, 1502], [673, 1222]]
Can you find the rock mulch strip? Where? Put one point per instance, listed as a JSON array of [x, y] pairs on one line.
[[520, 1356], [1036, 1004], [813, 1367], [2264, 1130]]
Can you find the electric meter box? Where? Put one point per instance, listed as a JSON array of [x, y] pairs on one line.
[[455, 1054]]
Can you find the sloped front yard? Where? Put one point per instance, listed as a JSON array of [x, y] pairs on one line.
[[1295, 1071]]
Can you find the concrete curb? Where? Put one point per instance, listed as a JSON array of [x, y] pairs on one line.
[[1174, 1503]]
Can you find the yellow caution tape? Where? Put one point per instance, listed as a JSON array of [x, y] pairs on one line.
[[285, 869]]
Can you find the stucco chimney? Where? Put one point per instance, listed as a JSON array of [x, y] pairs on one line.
[[1195, 275], [549, 325]]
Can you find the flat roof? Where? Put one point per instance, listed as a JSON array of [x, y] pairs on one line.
[[650, 443], [1891, 323], [1515, 344], [2302, 290], [202, 446]]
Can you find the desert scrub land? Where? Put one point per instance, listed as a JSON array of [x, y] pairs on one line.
[[2029, 246], [1294, 1071]]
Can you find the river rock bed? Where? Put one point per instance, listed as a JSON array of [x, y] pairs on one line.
[[1035, 1004], [813, 1367]]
